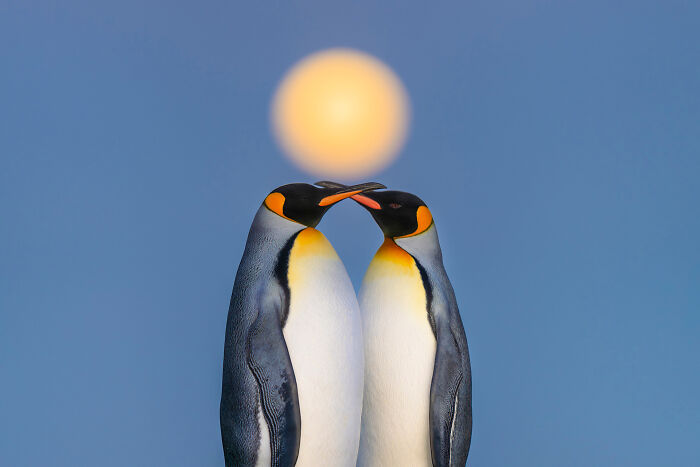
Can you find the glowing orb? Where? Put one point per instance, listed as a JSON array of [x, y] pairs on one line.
[[340, 113]]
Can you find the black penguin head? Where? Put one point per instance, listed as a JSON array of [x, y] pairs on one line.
[[398, 214], [306, 204]]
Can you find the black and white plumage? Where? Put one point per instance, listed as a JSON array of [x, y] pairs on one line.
[[417, 399], [293, 366]]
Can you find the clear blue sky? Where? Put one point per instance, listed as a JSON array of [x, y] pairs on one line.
[[557, 144]]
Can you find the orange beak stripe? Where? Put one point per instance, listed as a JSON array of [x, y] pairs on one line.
[[369, 202], [332, 199]]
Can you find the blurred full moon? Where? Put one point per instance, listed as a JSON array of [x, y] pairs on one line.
[[340, 113]]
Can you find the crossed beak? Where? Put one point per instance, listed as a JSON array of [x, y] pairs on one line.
[[352, 191]]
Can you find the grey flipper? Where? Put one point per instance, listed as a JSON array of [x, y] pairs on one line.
[[450, 391], [269, 361]]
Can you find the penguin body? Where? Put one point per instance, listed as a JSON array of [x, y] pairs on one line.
[[450, 419], [417, 399], [293, 357], [324, 338], [399, 356]]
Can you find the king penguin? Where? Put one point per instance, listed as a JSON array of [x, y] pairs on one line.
[[417, 398], [293, 357]]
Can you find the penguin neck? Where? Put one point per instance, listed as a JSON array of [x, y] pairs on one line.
[[424, 247], [267, 222], [270, 232]]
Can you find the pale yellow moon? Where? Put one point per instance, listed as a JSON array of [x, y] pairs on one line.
[[340, 113]]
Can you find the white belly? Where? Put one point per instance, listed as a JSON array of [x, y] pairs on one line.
[[399, 358], [324, 337]]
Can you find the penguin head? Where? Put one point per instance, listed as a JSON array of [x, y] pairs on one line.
[[398, 214], [306, 204]]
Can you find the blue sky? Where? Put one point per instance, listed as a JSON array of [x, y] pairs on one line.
[[556, 143]]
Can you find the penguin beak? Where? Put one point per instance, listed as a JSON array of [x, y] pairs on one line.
[[365, 201], [342, 192]]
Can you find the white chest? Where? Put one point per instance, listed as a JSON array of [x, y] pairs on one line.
[[324, 338], [399, 359]]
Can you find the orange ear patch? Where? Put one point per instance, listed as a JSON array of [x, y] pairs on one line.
[[424, 219], [275, 203]]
